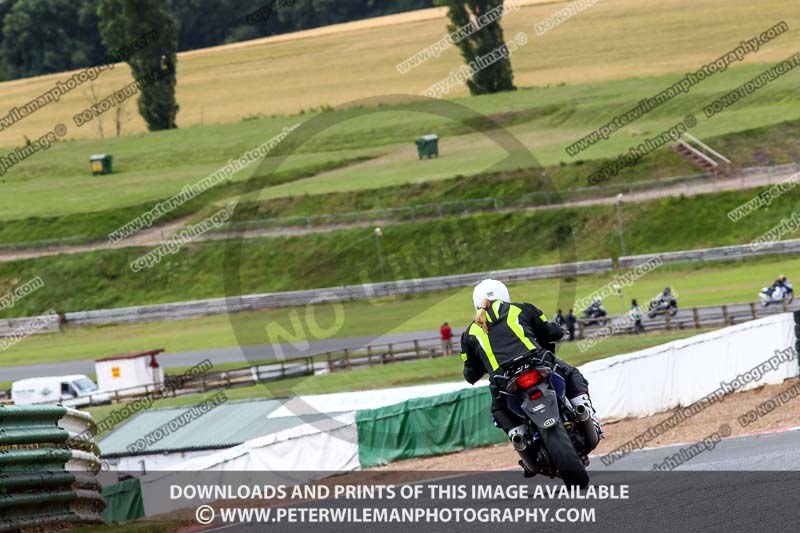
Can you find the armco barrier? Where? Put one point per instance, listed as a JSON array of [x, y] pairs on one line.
[[255, 302], [48, 467], [723, 253], [426, 426]]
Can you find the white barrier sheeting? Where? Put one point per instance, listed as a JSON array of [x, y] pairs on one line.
[[296, 449], [370, 399], [298, 455], [685, 371]]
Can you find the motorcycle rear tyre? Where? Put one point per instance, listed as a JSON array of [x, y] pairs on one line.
[[564, 456]]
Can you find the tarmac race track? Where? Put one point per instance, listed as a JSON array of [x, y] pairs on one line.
[[732, 487], [245, 356]]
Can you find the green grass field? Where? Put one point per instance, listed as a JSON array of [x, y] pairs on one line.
[[156, 166], [607, 71], [103, 279], [697, 285]]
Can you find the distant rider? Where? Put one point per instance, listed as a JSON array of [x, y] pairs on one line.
[[597, 305], [503, 330], [783, 284], [666, 295]]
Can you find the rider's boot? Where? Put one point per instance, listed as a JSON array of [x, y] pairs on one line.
[[584, 400]]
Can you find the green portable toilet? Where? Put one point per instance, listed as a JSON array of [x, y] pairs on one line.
[[428, 146], [101, 164]]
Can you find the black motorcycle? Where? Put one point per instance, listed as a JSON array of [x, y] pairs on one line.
[[558, 437], [595, 315]]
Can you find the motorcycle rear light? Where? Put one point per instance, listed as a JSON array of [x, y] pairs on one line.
[[529, 379], [536, 395]]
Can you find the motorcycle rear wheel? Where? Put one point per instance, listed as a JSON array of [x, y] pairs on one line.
[[564, 456]]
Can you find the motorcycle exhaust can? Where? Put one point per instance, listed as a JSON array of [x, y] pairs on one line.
[[587, 426], [519, 438]]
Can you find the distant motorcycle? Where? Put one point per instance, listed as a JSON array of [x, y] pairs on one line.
[[662, 304], [776, 295], [595, 315]]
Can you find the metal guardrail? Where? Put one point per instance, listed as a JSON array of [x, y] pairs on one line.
[[48, 467], [11, 327], [256, 302], [723, 253]]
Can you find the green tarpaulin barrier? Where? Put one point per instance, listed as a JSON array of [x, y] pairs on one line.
[[427, 426], [123, 501]]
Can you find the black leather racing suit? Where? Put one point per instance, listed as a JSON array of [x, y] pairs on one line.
[[514, 329]]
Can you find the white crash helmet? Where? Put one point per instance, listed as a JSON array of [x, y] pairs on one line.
[[491, 289]]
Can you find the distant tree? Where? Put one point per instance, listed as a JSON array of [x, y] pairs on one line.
[[497, 76], [5, 7], [92, 96], [122, 23], [204, 23], [55, 35], [45, 36]]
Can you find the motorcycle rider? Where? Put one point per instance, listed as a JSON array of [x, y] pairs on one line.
[[503, 330], [666, 295], [596, 307], [783, 284]]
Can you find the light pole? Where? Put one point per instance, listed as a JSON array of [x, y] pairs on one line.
[[619, 222], [378, 235], [617, 287]]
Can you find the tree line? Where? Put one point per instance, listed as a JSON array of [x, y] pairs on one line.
[[47, 36]]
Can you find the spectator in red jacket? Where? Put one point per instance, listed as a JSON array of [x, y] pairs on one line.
[[447, 339]]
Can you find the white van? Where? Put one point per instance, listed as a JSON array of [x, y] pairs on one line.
[[72, 391]]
